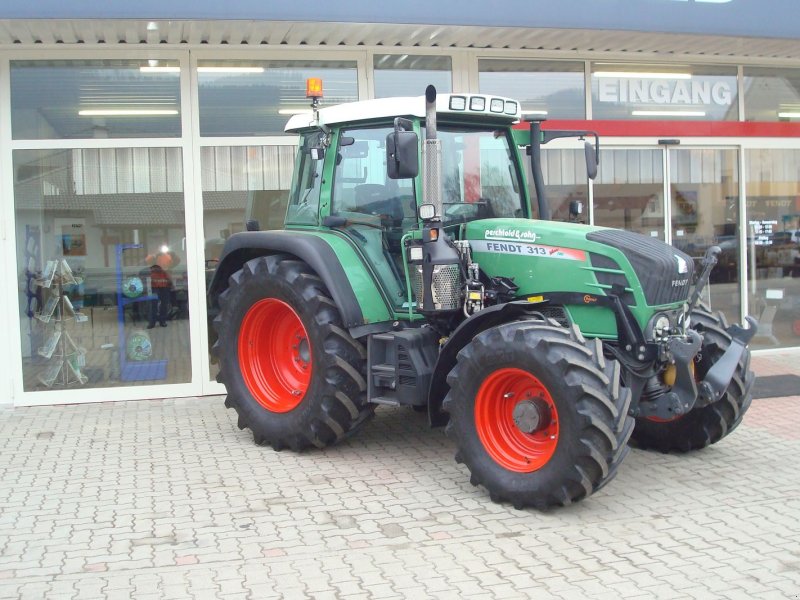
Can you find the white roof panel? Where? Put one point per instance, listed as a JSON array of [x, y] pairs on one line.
[[405, 107]]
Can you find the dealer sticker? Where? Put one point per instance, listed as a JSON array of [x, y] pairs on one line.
[[523, 249]]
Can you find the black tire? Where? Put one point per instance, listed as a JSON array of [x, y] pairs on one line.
[[334, 404], [591, 406], [706, 425]]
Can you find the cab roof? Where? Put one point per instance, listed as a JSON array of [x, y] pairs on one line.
[[481, 107]]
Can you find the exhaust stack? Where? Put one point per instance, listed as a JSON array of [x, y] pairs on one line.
[[432, 156]]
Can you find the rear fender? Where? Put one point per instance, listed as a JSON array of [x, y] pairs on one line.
[[317, 253]]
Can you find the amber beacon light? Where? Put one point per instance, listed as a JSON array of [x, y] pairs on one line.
[[313, 87]]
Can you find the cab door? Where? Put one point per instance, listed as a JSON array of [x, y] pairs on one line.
[[378, 210]]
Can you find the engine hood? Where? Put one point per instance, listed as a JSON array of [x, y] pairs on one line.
[[544, 256]]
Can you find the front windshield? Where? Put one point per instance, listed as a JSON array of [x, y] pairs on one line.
[[479, 176]]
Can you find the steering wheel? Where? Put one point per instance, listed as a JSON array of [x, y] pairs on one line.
[[389, 208]]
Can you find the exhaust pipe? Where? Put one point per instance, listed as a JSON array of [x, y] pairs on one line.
[[432, 155]]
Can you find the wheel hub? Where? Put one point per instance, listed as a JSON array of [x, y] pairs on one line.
[[531, 415]]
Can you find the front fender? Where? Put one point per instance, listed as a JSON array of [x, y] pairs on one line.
[[464, 333]]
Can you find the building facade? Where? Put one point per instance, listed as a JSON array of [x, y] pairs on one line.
[[132, 144]]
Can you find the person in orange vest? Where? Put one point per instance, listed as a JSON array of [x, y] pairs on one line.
[[161, 285]]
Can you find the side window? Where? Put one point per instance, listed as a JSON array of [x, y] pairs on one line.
[[303, 206], [361, 185]]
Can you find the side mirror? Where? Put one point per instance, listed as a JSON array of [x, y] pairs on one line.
[[575, 208], [402, 151], [592, 159]]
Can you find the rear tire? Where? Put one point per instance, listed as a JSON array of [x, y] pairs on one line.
[[706, 425], [577, 426], [293, 374]]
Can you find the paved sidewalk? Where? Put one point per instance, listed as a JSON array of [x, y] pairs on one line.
[[168, 499]]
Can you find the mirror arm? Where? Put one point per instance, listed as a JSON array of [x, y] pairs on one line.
[[554, 134]]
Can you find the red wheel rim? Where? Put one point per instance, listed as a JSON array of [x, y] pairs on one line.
[[275, 355], [495, 403]]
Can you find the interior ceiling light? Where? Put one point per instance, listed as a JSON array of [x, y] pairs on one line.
[[230, 69], [789, 115], [668, 113], [641, 75], [534, 112], [121, 112], [155, 69]]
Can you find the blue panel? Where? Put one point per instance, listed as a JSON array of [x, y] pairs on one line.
[[758, 18]]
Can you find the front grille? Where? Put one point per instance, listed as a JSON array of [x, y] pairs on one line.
[[656, 264]]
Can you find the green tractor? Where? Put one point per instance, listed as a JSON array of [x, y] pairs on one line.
[[410, 272]]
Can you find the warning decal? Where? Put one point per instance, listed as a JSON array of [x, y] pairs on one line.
[[523, 249]]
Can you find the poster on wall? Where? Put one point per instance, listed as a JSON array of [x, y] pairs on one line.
[[72, 234]]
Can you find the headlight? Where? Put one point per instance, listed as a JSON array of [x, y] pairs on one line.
[[662, 325]]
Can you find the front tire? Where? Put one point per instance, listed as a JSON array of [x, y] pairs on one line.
[[538, 414], [706, 425], [292, 372]]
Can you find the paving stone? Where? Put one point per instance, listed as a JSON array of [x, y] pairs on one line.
[[168, 499]]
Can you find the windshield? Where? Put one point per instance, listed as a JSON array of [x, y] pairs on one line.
[[479, 176]]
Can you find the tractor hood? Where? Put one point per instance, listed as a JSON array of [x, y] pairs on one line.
[[548, 256]]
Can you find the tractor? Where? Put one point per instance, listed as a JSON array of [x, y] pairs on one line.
[[411, 272]]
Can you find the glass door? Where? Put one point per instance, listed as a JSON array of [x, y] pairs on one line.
[[629, 191], [704, 211]]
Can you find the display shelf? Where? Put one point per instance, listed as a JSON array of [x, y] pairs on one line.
[[133, 370], [63, 357]]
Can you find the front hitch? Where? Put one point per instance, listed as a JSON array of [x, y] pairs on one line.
[[683, 395], [721, 373]]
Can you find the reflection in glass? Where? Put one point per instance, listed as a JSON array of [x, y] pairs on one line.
[[771, 94], [95, 99], [773, 245], [629, 191], [242, 183], [704, 186], [248, 98], [637, 91], [552, 89], [565, 180], [409, 75], [101, 266]]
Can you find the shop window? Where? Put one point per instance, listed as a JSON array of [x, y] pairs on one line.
[[256, 98], [664, 92], [771, 94], [552, 89], [773, 245], [76, 99], [101, 264], [409, 75]]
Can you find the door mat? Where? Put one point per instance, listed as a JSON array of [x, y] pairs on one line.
[[776, 386]]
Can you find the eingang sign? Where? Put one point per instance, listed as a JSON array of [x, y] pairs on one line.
[[655, 91], [707, 93]]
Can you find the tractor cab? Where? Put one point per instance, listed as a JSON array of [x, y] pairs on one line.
[[480, 173]]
